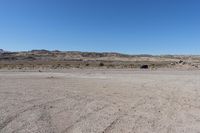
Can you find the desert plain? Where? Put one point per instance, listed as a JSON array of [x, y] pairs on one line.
[[100, 101]]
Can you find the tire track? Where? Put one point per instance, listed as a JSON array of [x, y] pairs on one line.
[[9, 119], [111, 125], [83, 118]]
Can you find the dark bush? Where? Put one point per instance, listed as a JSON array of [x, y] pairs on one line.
[[144, 67], [101, 64]]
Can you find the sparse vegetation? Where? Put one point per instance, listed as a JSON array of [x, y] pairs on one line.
[[37, 59]]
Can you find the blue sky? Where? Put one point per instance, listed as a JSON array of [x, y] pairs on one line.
[[127, 26]]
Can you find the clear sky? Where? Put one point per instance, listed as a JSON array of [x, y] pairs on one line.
[[127, 26]]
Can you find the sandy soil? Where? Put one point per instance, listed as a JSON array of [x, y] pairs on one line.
[[100, 101]]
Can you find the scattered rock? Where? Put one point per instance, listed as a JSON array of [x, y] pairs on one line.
[[180, 61], [195, 65], [51, 77], [183, 63]]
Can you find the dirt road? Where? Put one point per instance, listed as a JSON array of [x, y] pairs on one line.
[[100, 101]]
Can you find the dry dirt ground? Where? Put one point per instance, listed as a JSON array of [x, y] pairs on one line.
[[100, 101]]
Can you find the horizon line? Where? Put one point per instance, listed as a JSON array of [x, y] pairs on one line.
[[115, 52]]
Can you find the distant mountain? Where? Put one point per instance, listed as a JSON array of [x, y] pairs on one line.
[[42, 51], [2, 51]]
